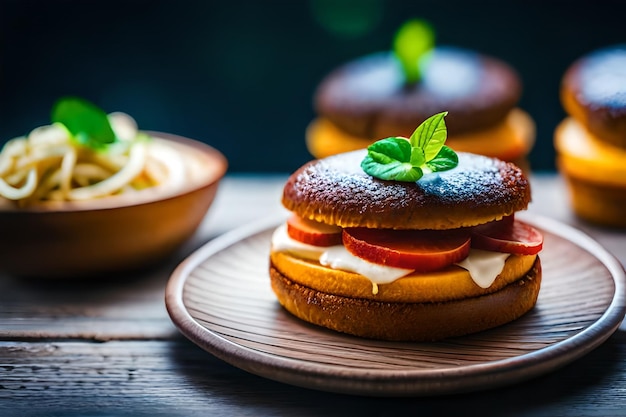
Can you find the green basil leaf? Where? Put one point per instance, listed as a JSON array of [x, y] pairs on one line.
[[390, 149], [86, 122], [391, 159], [430, 135], [417, 157], [412, 41], [400, 159], [445, 160], [393, 170]]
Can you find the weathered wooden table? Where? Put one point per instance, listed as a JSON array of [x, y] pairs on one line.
[[109, 348]]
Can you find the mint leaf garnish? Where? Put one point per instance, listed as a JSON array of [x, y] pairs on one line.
[[88, 124], [402, 159], [393, 159], [412, 41], [445, 159], [430, 135]]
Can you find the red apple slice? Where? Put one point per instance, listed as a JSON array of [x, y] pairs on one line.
[[510, 237], [312, 232], [421, 250]]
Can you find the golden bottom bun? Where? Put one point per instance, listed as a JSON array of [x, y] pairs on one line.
[[510, 140], [594, 172], [398, 321]]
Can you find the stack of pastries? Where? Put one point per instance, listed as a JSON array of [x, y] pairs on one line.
[[370, 98], [591, 141], [394, 258]]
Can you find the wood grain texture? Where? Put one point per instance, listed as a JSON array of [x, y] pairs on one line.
[[177, 378], [220, 298]]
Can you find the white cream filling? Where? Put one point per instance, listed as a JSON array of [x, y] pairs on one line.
[[483, 266], [338, 257]]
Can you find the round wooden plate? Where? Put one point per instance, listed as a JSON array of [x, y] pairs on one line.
[[220, 298]]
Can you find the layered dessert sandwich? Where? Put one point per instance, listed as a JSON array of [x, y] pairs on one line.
[[388, 93], [407, 240], [591, 141]]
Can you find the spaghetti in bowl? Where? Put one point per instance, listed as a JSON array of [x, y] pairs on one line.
[[144, 210]]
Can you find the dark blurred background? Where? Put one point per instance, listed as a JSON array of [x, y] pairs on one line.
[[240, 74]]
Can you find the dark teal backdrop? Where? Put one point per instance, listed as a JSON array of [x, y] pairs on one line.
[[240, 74]]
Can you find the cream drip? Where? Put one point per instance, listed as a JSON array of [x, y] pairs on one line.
[[483, 266]]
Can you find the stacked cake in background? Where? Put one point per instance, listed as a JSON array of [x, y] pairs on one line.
[[380, 95], [591, 142]]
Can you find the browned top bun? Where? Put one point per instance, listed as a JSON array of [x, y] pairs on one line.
[[368, 97], [335, 190], [593, 92]]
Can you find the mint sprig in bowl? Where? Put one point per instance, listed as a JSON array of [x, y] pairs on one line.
[[408, 159], [88, 124]]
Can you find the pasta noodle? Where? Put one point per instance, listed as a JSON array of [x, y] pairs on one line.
[[48, 165]]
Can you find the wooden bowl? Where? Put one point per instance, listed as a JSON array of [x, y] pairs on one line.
[[111, 234]]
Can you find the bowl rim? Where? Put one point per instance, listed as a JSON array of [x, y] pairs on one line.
[[147, 196]]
